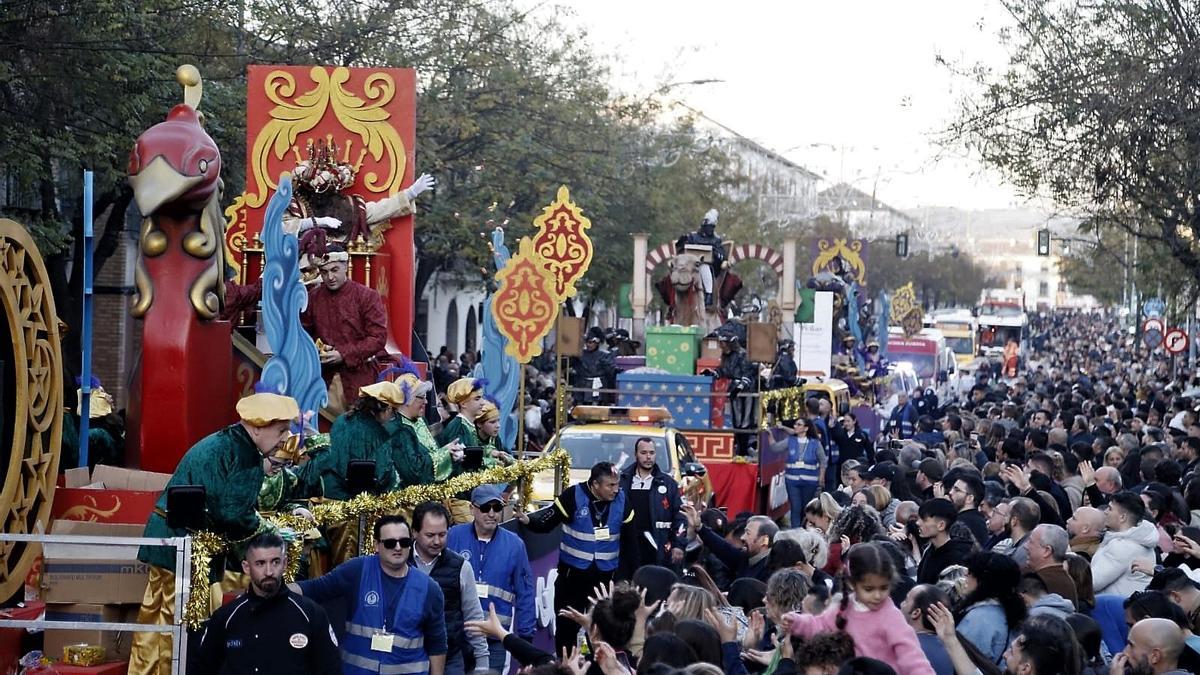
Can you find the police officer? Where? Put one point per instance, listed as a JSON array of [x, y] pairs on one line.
[[456, 577], [594, 369], [657, 533], [592, 516], [784, 374], [743, 382], [503, 577], [397, 618], [852, 441], [268, 629]]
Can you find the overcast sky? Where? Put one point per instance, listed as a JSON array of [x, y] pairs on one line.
[[849, 89]]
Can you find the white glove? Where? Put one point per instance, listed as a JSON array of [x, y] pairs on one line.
[[328, 222], [423, 183]]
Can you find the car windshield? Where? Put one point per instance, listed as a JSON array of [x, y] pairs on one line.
[[960, 345], [589, 447], [921, 363]]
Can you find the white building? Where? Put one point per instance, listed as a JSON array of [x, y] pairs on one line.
[[866, 216]]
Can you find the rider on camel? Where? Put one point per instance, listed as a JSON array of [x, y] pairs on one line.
[[706, 236]]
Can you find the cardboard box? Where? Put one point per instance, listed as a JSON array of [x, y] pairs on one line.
[[118, 478], [672, 348], [710, 348], [109, 495], [116, 644], [686, 396], [93, 573]]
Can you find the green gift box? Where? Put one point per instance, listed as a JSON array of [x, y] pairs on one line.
[[672, 348]]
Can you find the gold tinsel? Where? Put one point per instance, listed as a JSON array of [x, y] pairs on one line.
[[789, 404], [208, 546], [83, 655]]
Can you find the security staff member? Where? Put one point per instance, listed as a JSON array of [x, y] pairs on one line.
[[456, 578], [397, 618], [503, 576], [591, 516], [268, 629], [852, 441], [656, 535]]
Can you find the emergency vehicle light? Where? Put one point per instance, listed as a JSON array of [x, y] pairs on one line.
[[604, 413]]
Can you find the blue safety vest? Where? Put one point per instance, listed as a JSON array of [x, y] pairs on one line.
[[408, 656], [503, 576], [579, 547], [802, 461]]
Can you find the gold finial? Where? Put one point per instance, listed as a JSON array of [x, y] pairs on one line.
[[346, 155], [193, 87]]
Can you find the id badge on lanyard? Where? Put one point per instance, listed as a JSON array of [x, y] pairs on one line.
[[382, 642]]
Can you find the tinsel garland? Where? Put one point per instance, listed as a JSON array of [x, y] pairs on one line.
[[208, 546], [789, 404]]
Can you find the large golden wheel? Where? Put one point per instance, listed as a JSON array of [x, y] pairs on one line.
[[31, 405]]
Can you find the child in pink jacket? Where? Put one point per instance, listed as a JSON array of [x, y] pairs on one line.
[[868, 615]]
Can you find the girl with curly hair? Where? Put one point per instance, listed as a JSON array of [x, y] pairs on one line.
[[854, 524]]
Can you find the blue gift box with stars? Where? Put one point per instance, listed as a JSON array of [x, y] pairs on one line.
[[686, 396]]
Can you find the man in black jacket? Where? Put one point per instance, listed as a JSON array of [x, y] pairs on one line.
[[853, 442], [967, 493], [268, 629], [935, 518], [750, 562], [655, 535]]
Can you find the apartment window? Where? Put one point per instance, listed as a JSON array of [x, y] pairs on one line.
[[1043, 289]]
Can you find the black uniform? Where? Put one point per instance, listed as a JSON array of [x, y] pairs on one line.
[[856, 445], [286, 633], [656, 511], [596, 363], [743, 379]]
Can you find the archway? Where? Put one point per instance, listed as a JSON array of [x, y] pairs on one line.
[[470, 331]]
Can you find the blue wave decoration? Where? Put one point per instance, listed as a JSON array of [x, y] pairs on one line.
[[852, 307], [885, 312], [501, 370], [294, 368]]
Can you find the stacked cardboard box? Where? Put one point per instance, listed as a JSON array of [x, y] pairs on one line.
[[97, 583]]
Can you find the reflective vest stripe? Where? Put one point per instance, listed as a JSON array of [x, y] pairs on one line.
[[499, 594], [398, 641], [609, 555], [374, 666], [582, 536], [576, 552]]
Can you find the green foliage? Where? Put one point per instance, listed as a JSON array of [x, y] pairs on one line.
[[1099, 109]]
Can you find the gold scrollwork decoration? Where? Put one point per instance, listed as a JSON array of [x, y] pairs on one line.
[[294, 115], [36, 431], [850, 253]]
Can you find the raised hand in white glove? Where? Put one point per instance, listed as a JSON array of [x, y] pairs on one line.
[[423, 183], [328, 222]]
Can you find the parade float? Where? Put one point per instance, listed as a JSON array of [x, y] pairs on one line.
[[352, 128]]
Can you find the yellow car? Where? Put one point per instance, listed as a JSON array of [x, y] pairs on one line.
[[607, 434]]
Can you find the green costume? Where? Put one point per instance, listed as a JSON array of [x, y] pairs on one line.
[[278, 491], [443, 463], [354, 436], [102, 447], [459, 429], [230, 468], [413, 459]]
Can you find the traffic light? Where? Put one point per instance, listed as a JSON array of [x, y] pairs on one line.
[[902, 246], [1043, 243]]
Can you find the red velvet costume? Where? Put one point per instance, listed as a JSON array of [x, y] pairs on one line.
[[352, 321]]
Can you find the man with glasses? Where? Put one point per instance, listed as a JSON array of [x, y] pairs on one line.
[[397, 614], [230, 466], [503, 576]]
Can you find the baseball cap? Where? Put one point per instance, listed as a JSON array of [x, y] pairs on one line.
[[883, 470], [485, 494]]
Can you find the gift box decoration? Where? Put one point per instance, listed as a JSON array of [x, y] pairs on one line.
[[686, 396], [672, 348]]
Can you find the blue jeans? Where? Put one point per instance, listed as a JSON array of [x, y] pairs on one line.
[[799, 495], [497, 656], [455, 665]]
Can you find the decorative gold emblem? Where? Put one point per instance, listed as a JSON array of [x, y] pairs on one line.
[[906, 312], [37, 392], [841, 259]]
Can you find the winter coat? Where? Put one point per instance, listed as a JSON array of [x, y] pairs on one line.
[[1111, 573]]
